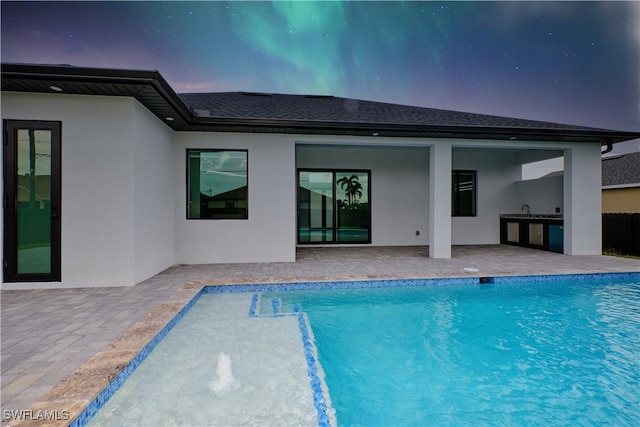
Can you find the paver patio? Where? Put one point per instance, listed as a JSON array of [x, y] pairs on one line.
[[49, 333]]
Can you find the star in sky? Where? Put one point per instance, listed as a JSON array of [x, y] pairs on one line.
[[569, 62]]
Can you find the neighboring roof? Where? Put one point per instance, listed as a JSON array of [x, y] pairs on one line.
[[301, 114], [622, 169]]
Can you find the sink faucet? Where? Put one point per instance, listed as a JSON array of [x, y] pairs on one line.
[[525, 206]]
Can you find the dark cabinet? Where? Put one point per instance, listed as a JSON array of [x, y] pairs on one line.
[[538, 232]]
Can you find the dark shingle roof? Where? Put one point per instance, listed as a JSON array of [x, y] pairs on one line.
[[621, 170], [292, 114], [248, 105]]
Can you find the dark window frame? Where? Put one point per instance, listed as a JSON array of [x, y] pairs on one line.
[[455, 195], [187, 170], [333, 171], [10, 215]]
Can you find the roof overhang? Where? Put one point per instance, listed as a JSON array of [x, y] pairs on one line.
[[152, 90], [603, 137], [621, 186], [148, 87]]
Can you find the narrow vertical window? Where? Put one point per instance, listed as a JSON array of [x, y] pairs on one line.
[[463, 197], [217, 184]]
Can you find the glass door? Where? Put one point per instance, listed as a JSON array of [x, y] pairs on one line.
[[315, 207], [352, 190], [32, 209], [333, 206]]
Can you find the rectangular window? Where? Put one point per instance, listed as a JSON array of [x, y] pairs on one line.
[[217, 184], [463, 197]]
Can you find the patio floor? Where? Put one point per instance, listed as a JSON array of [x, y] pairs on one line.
[[47, 334]]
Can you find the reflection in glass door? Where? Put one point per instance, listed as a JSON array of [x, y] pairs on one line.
[[333, 206], [32, 211], [352, 190], [315, 207]]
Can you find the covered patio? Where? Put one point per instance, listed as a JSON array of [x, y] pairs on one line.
[[47, 334]]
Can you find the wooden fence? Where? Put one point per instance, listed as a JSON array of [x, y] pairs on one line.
[[621, 232]]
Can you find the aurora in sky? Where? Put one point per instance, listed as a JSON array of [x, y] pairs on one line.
[[570, 62]]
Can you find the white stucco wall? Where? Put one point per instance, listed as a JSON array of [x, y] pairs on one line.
[[399, 186], [269, 233], [543, 195], [112, 148], [440, 184], [582, 200], [154, 199], [124, 190], [497, 171]]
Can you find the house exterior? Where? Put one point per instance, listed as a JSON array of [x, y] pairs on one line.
[[142, 178], [621, 183]]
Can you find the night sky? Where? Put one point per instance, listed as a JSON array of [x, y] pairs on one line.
[[573, 62]]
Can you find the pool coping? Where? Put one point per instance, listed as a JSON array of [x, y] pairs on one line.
[[82, 393]]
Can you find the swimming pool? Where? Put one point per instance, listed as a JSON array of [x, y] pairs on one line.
[[526, 351]]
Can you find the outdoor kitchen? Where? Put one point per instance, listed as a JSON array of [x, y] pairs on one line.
[[538, 231]]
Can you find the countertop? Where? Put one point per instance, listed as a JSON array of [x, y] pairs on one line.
[[532, 216]]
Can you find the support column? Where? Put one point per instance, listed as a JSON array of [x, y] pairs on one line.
[[582, 200], [440, 200]]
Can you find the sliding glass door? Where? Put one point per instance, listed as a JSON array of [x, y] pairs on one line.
[[315, 207], [333, 206]]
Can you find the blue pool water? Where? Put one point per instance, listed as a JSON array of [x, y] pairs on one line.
[[516, 351], [497, 354]]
